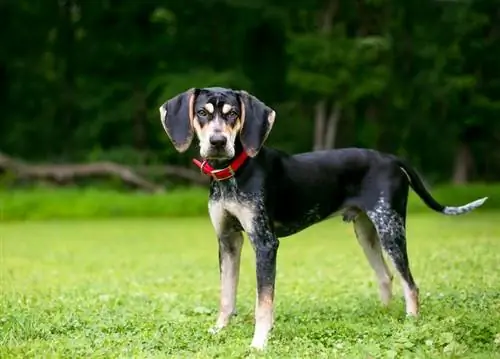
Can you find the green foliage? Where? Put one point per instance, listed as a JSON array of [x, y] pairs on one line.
[[86, 78], [172, 84], [338, 67], [45, 204], [149, 288]]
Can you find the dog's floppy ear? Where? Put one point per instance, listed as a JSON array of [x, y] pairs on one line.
[[257, 120], [177, 119]]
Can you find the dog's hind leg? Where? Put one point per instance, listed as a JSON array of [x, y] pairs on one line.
[[367, 237], [390, 226]]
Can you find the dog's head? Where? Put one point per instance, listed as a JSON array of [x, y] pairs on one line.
[[219, 117]]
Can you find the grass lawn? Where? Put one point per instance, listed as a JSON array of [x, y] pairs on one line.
[[149, 288]]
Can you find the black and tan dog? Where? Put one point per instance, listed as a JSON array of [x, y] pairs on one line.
[[269, 195]]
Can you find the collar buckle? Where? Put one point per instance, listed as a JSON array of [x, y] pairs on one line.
[[229, 169]]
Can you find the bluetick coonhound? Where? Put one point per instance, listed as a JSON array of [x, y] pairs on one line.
[[270, 195]]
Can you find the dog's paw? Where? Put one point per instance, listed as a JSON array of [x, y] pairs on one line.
[[257, 347], [215, 329], [257, 344]]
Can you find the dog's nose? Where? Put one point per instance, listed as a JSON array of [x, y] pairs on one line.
[[218, 140]]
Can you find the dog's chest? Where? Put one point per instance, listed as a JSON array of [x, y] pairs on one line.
[[226, 200]]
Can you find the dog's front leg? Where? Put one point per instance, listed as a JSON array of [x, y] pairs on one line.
[[230, 245], [265, 245]]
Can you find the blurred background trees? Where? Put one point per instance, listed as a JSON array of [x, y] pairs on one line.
[[82, 80]]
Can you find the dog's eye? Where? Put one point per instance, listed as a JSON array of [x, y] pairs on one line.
[[202, 113], [232, 114]]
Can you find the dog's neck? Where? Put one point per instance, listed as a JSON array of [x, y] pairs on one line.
[[220, 164]]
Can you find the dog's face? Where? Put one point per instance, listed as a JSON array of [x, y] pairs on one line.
[[219, 117], [217, 122]]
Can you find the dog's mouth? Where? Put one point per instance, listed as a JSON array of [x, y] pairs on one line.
[[217, 154], [223, 156]]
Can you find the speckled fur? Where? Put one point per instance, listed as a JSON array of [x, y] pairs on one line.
[[275, 195], [390, 227]]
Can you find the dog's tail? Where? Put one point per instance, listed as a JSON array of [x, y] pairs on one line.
[[419, 188]]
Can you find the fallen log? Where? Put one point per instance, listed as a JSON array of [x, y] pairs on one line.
[[67, 172]]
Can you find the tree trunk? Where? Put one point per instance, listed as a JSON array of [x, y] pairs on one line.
[[325, 21], [371, 116], [463, 162], [331, 130], [319, 124]]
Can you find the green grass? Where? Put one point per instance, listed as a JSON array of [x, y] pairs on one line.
[[149, 288], [91, 203]]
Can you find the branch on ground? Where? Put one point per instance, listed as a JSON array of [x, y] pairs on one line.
[[67, 172]]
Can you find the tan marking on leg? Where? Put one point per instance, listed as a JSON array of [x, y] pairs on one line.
[[411, 299], [263, 318], [369, 241]]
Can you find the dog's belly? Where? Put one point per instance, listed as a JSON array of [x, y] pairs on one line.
[[288, 228]]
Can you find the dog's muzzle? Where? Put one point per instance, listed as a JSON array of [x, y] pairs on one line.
[[218, 147], [218, 141]]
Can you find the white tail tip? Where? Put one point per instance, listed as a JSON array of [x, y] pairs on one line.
[[466, 208]]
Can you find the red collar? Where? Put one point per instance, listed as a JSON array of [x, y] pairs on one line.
[[223, 173]]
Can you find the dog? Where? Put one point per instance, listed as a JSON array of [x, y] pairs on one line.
[[269, 195]]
